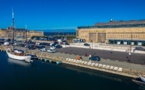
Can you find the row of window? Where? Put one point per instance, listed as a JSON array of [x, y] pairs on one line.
[[126, 36], [126, 33]]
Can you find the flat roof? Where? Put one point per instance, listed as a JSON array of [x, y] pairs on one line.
[[117, 24]]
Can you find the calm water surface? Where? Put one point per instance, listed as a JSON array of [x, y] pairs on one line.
[[18, 75]]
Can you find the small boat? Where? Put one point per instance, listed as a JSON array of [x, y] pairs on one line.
[[140, 80], [142, 77]]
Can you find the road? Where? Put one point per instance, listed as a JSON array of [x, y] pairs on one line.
[[114, 55]]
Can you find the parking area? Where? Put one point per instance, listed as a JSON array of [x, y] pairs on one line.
[[105, 54]]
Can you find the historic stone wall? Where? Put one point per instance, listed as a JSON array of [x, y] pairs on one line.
[[136, 33], [9, 33], [35, 33], [2, 33]]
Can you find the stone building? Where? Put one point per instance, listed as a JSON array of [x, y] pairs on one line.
[[19, 33], [115, 32], [2, 33]]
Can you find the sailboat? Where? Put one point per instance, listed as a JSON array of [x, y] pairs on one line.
[[17, 54]]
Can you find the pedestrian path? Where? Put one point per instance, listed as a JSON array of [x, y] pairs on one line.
[[106, 47]]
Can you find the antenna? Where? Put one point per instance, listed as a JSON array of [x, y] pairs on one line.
[[12, 13]]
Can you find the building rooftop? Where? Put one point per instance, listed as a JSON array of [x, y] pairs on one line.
[[117, 24]]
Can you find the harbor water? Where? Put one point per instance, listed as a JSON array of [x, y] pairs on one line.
[[38, 75]]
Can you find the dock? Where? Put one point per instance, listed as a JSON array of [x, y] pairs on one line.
[[113, 67]]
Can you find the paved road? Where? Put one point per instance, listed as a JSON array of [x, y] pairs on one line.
[[120, 56]]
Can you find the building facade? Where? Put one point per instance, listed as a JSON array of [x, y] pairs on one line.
[[115, 32], [18, 33]]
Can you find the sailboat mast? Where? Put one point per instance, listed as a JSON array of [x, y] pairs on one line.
[[13, 26], [26, 38]]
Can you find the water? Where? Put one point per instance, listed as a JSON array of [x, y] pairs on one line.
[[17, 75], [59, 33]]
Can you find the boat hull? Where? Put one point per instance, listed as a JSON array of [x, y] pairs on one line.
[[138, 81], [142, 78], [18, 57]]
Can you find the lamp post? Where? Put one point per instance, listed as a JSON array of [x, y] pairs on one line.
[[130, 46], [92, 47]]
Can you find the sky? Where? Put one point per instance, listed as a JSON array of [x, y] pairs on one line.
[[67, 14]]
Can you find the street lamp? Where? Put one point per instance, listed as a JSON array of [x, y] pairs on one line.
[[130, 46], [92, 47]]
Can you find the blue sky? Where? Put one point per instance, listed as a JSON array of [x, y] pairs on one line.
[[68, 14]]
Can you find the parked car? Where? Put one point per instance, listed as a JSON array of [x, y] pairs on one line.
[[31, 47], [58, 46], [53, 47], [6, 43], [40, 47], [95, 58], [51, 50], [86, 44], [140, 48], [66, 43], [21, 45], [43, 49], [54, 43]]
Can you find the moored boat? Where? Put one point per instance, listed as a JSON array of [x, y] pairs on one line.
[[140, 80], [14, 53], [17, 56], [142, 77]]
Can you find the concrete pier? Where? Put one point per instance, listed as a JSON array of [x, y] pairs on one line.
[[105, 65]]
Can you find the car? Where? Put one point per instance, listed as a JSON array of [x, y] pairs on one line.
[[40, 47], [32, 47], [66, 43], [58, 46], [6, 43], [95, 58], [51, 50], [53, 47], [43, 49], [86, 44], [140, 48], [54, 43]]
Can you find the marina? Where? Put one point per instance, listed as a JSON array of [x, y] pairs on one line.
[[44, 75], [72, 45], [113, 67]]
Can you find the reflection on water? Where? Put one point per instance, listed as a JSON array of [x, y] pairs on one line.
[[98, 74], [18, 62], [20, 75], [141, 88]]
